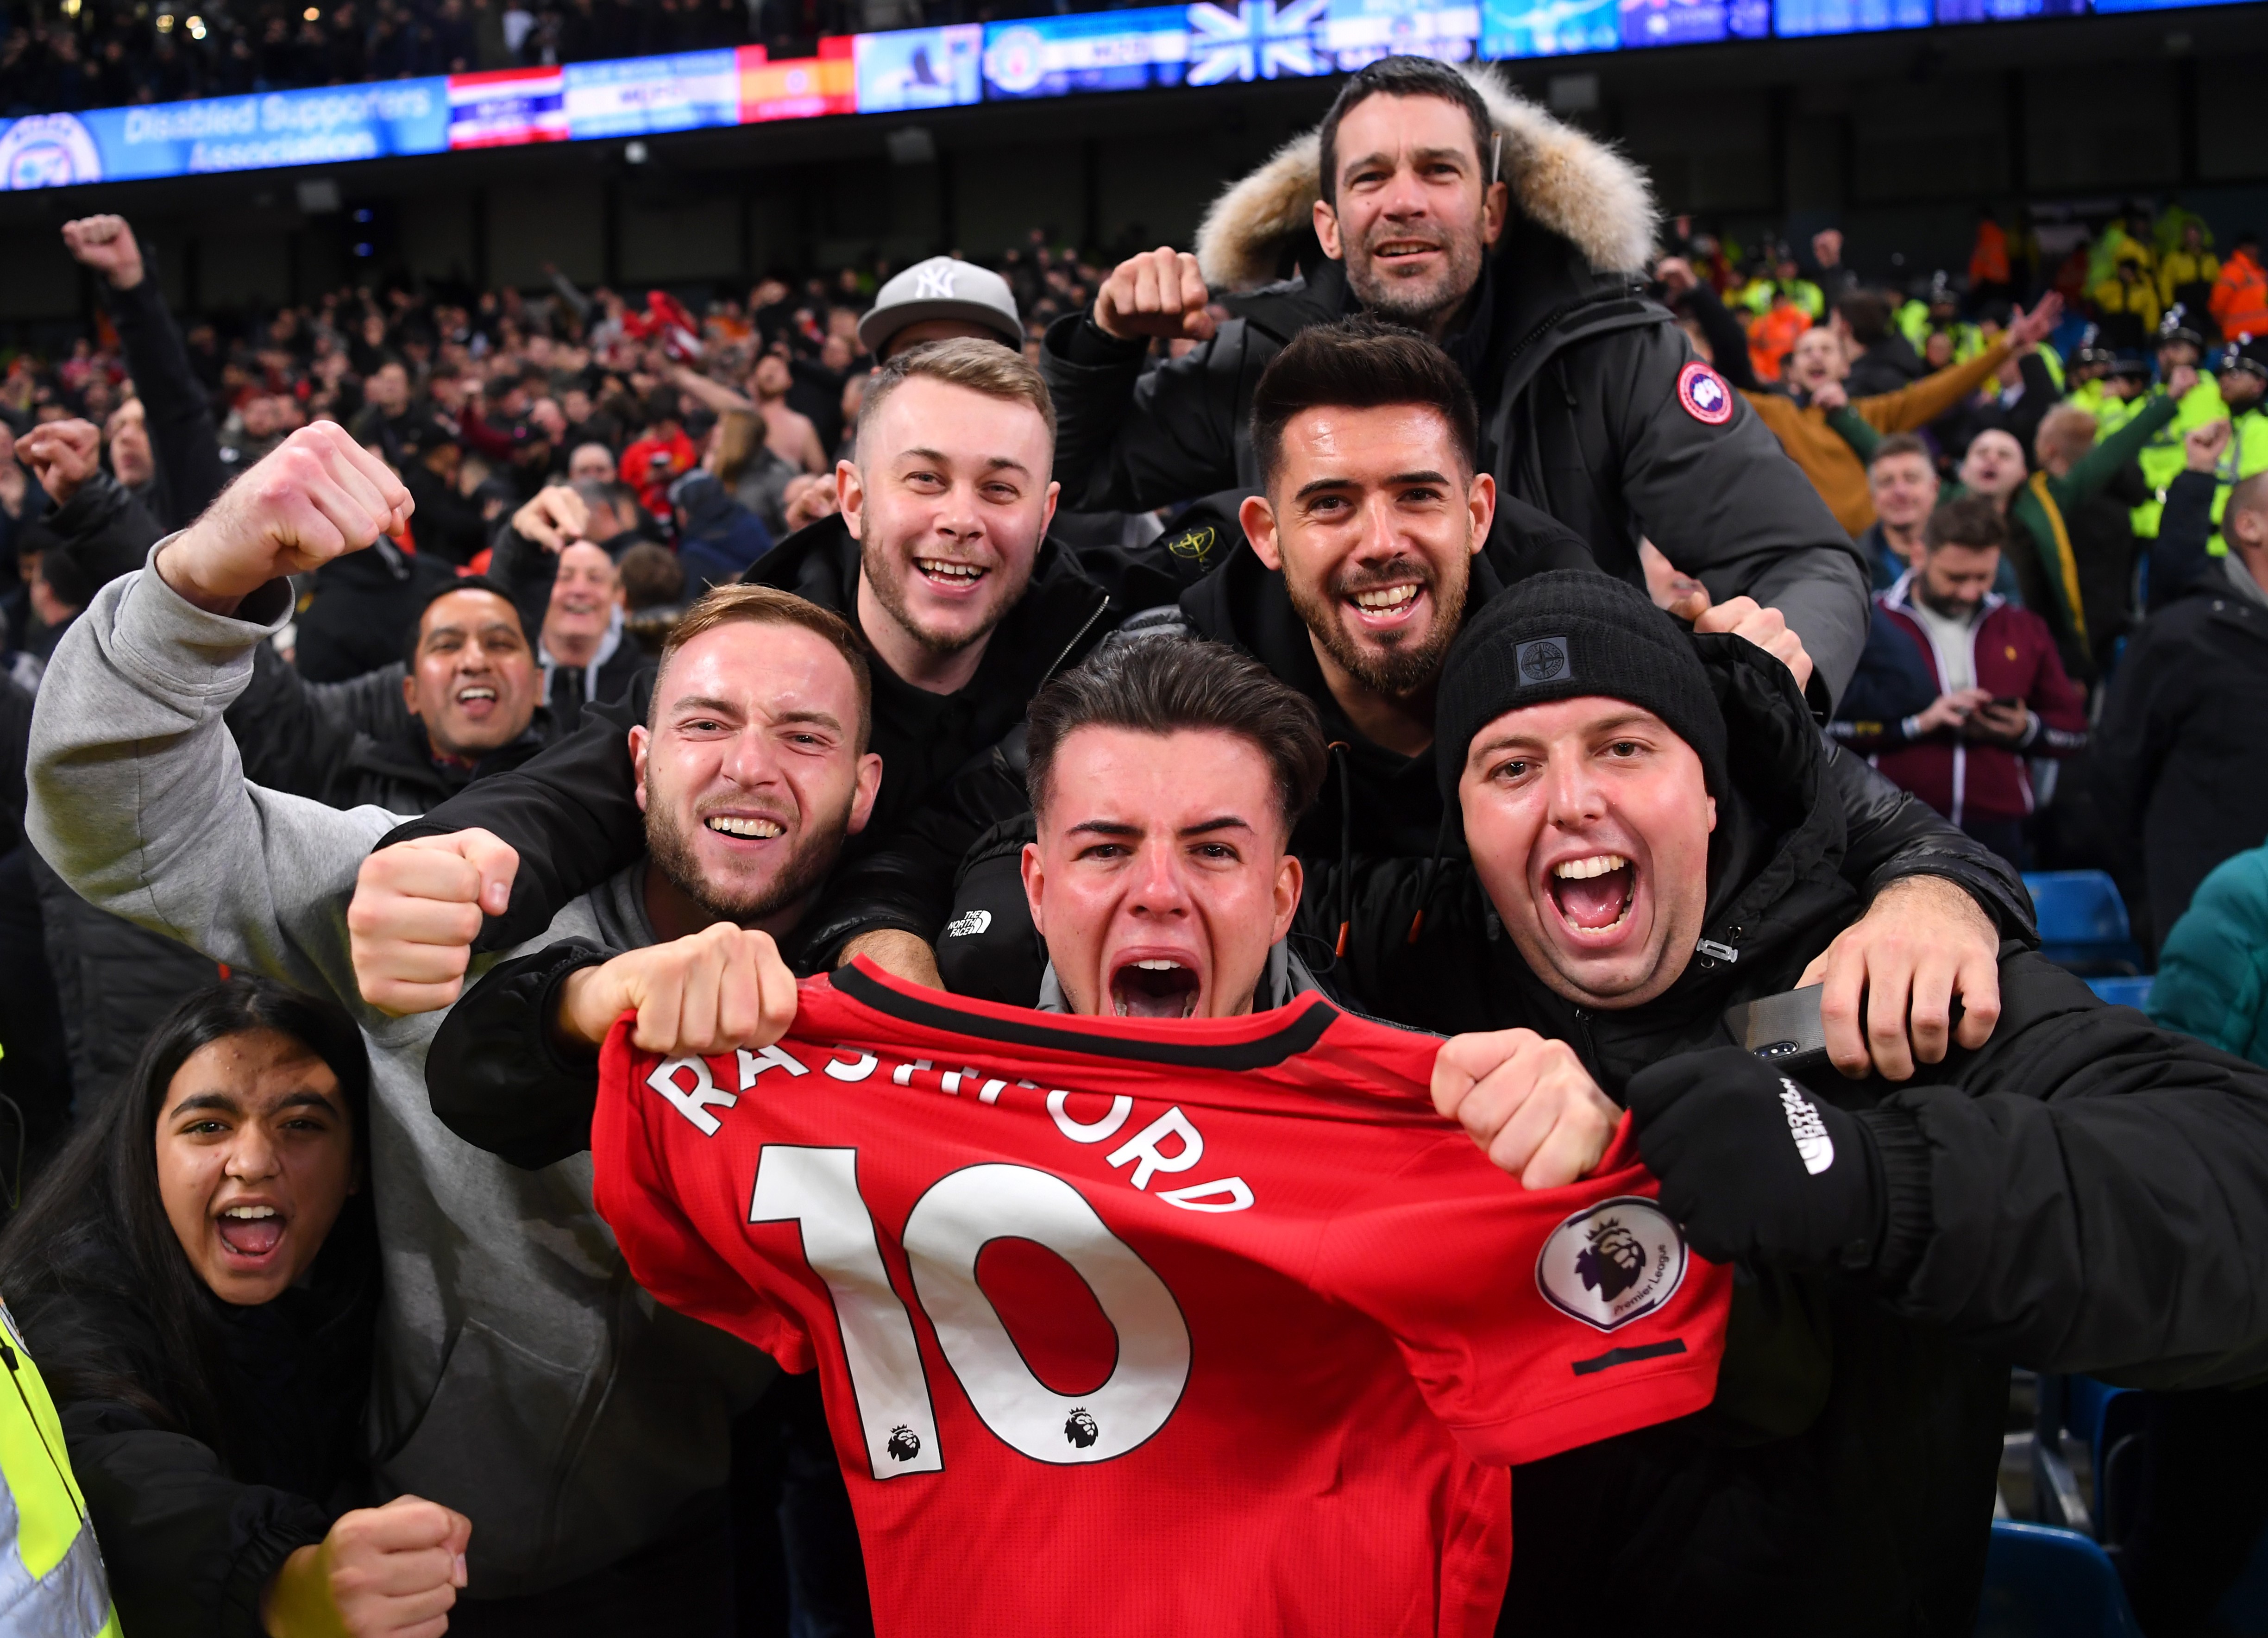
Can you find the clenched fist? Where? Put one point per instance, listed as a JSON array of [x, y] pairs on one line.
[[417, 908], [1528, 1102], [107, 245], [63, 455], [722, 987], [320, 497], [1160, 292], [383, 1572]]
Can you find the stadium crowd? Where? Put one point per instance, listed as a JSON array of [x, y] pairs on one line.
[[1157, 639]]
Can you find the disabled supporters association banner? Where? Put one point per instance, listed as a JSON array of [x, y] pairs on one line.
[[328, 125]]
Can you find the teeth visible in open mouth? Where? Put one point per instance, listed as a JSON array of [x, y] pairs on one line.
[[1155, 987], [1385, 598], [475, 694], [1597, 864], [758, 829], [249, 1213], [1159, 966], [945, 569]]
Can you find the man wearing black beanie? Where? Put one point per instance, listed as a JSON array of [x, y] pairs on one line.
[[1649, 847]]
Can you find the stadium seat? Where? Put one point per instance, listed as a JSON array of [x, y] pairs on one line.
[[2083, 922], [2121, 992], [2042, 1582]]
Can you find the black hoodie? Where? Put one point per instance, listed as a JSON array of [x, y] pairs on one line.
[[2076, 1196]]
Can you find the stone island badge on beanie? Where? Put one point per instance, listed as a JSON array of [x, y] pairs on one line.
[[1563, 635]]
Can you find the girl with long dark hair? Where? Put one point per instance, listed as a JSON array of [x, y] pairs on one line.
[[197, 1276]]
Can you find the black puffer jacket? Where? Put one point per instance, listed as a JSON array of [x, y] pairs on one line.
[[1576, 374], [191, 1535], [572, 813], [2080, 1196]]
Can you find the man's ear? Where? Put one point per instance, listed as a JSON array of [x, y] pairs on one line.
[[1326, 231], [1055, 493], [1258, 519], [862, 799], [409, 692], [850, 496], [1713, 816], [1496, 209], [1034, 884], [1289, 880], [1480, 505], [641, 741]]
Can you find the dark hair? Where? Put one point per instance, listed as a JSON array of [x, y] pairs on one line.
[[1402, 76], [1360, 364], [415, 633], [1969, 520], [651, 577], [94, 1230], [1897, 443], [1868, 314], [1167, 685]]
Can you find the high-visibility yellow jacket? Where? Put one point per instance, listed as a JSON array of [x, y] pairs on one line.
[[51, 1579]]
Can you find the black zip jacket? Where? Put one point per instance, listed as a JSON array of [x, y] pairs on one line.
[[1577, 378], [572, 813], [191, 1535], [2082, 1194], [2175, 771], [1376, 803]]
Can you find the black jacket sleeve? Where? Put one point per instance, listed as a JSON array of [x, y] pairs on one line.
[[1723, 503], [500, 1078], [2179, 560], [1889, 833], [294, 735], [572, 813], [182, 434], [1127, 440], [2157, 688], [907, 883], [190, 1550], [106, 533], [2088, 1193]]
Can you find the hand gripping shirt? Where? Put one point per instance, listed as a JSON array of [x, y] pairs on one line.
[[1134, 1327]]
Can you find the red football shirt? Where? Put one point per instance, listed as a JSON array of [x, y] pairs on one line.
[[1139, 1328]]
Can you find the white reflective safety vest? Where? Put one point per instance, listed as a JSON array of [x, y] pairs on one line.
[[51, 1579]]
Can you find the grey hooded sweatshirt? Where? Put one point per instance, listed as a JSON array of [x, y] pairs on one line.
[[522, 1376]]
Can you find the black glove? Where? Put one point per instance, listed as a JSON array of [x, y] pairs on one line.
[[1757, 1169]]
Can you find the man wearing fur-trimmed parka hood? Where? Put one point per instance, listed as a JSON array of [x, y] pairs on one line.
[[1465, 212]]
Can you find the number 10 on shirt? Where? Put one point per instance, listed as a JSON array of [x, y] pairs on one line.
[[955, 1218]]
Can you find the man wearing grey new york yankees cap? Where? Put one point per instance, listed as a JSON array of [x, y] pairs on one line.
[[936, 300], [1651, 844]]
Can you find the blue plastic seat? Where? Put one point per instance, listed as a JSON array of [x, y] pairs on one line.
[[2121, 992], [2041, 1582], [2083, 922]]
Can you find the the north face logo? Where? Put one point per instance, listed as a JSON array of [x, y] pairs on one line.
[[968, 924], [904, 1444], [1613, 1262], [1080, 1429], [1808, 1130], [1543, 659]]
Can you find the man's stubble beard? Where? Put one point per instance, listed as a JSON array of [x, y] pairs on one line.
[[1399, 305], [1403, 668], [816, 850], [875, 563]]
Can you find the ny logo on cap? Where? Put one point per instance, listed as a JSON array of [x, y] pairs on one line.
[[1543, 660], [933, 283]]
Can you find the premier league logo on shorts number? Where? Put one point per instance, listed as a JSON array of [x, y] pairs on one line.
[[1612, 1263], [904, 1444], [1080, 1427]]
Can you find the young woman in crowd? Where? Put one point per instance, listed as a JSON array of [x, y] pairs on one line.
[[197, 1274]]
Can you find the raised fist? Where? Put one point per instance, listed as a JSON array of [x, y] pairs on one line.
[[1160, 292], [2201, 444], [318, 496], [107, 245], [722, 988], [554, 519], [63, 455], [417, 907]]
